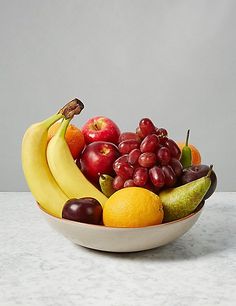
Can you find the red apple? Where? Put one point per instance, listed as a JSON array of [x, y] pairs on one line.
[[97, 158], [100, 129]]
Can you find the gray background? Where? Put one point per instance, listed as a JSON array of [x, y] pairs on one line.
[[172, 61]]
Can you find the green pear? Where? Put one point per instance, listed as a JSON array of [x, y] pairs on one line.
[[105, 182], [181, 201]]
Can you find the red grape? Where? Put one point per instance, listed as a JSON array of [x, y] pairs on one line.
[[146, 127], [124, 170], [140, 176], [139, 133], [129, 136], [127, 146], [163, 156], [118, 183], [133, 156], [157, 176], [173, 147], [163, 140], [176, 166], [170, 177], [161, 132], [120, 160], [147, 159], [129, 183], [149, 144]]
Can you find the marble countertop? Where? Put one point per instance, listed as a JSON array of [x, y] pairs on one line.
[[38, 266]]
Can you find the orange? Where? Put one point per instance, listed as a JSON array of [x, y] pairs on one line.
[[196, 156], [133, 207], [74, 138]]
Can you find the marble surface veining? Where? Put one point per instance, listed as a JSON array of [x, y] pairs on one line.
[[38, 266]]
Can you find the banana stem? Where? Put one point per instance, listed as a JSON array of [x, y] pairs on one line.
[[49, 121], [63, 127], [72, 108]]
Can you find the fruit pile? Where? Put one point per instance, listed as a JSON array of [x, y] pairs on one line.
[[99, 175]]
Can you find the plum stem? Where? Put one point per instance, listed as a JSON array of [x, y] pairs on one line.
[[210, 171]]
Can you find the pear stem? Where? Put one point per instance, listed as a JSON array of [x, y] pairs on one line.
[[209, 172], [187, 138]]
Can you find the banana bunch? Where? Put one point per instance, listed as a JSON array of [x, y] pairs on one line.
[[50, 171]]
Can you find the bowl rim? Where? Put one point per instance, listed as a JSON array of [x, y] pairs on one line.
[[196, 211]]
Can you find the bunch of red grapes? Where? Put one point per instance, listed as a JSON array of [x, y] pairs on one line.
[[148, 159]]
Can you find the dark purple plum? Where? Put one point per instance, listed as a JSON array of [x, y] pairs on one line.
[[195, 172], [85, 210]]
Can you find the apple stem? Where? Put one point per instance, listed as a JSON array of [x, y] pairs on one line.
[[187, 138], [96, 126], [63, 127], [72, 108], [210, 170]]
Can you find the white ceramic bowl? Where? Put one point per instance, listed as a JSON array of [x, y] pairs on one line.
[[113, 239]]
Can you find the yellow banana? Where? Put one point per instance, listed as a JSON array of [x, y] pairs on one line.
[[34, 161], [38, 176], [65, 171]]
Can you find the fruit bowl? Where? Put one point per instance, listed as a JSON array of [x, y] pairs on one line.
[[112, 239]]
